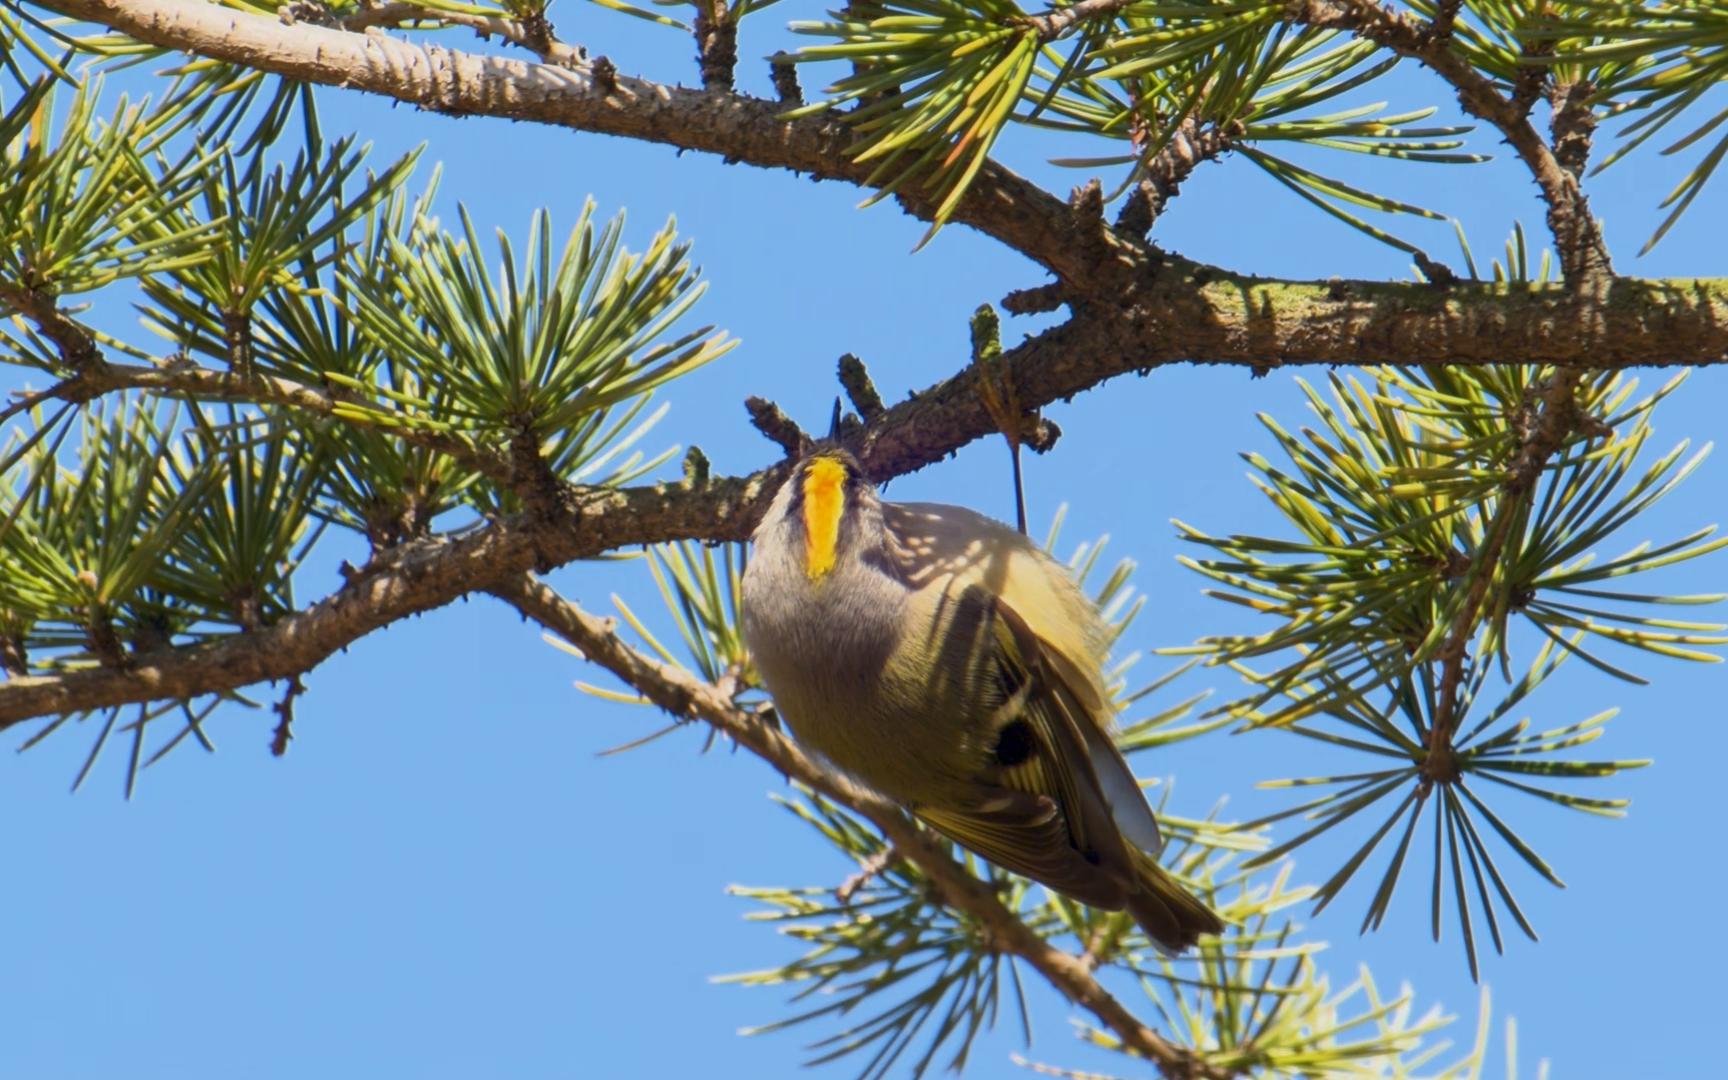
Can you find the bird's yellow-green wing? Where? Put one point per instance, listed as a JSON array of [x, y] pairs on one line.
[[1037, 808], [1060, 628], [1059, 803]]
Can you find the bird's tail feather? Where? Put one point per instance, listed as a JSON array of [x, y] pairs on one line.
[[1172, 916]]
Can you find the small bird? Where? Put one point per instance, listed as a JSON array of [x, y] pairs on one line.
[[943, 659]]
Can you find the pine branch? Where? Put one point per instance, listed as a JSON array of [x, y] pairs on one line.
[[1058, 21], [13, 659], [1444, 20], [78, 350], [1577, 234], [868, 870], [93, 376], [1174, 312], [778, 428], [1324, 323], [413, 577], [208, 384], [1573, 126], [594, 98], [683, 695], [1198, 313], [1549, 422], [1191, 144], [716, 44], [860, 388]]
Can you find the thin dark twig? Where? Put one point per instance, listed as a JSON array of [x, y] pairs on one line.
[[868, 870], [1549, 421], [284, 709]]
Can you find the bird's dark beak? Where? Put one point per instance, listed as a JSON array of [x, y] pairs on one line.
[[834, 423]]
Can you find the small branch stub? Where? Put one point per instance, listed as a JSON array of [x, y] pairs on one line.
[[1188, 146], [14, 661], [868, 871], [696, 469], [1035, 300], [855, 378], [284, 710], [781, 430], [785, 76], [716, 44]]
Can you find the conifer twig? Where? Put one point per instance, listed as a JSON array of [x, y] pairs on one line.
[[1552, 418]]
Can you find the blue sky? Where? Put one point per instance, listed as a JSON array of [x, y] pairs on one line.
[[441, 879]]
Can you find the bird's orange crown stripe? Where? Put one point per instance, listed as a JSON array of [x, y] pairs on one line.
[[824, 500]]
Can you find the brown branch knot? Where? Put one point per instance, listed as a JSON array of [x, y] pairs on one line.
[[1573, 125], [1190, 144], [14, 660]]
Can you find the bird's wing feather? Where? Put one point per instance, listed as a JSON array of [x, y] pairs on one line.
[[1122, 791], [1117, 781], [1069, 642], [1044, 815], [1063, 768], [1053, 642]]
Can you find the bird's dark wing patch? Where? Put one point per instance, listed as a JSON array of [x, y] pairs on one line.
[[1055, 801], [1041, 725], [1015, 743]]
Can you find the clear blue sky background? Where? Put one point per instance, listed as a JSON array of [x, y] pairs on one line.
[[442, 880]]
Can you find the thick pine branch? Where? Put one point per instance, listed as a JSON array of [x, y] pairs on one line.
[[1194, 313], [418, 576], [1178, 318]]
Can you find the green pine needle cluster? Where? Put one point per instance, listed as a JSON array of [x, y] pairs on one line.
[[272, 278], [934, 84], [1430, 546]]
